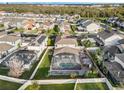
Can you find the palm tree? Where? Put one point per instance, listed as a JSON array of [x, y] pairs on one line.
[[34, 86], [73, 75]]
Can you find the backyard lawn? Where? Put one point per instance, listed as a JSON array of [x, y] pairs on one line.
[[3, 70], [50, 42], [54, 87], [5, 85], [42, 71], [92, 86]]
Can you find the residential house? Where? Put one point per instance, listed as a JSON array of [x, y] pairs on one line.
[[65, 41], [88, 26], [109, 37], [67, 60], [29, 24], [112, 20], [47, 25], [11, 39], [64, 27], [39, 44], [119, 58], [5, 49]]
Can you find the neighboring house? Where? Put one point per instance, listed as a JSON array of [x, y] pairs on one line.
[[88, 26], [116, 21], [64, 27], [29, 24], [119, 58], [5, 49], [2, 34], [110, 51], [115, 72], [26, 57], [12, 40], [47, 25], [2, 13], [39, 44], [122, 25], [112, 20], [65, 41], [67, 60], [121, 45], [109, 37]]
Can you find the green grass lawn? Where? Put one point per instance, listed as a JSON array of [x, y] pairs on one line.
[[92, 86], [3, 70], [5, 85], [50, 42], [53, 87], [91, 74], [43, 71]]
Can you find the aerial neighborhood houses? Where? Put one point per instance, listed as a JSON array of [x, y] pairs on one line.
[[68, 58], [39, 44], [88, 26], [66, 41], [8, 43], [64, 27], [109, 37], [24, 39], [116, 21], [113, 43]]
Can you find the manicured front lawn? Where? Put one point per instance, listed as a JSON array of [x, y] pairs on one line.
[[5, 85], [54, 87], [92, 86]]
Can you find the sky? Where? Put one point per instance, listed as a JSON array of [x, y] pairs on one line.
[[83, 1]]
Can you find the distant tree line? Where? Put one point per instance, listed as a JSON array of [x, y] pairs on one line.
[[90, 12]]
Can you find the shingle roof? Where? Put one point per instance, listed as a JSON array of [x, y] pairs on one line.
[[88, 22], [66, 50], [41, 39], [114, 68], [120, 56], [66, 41], [105, 34], [121, 41], [2, 33], [112, 50], [5, 47], [9, 38]]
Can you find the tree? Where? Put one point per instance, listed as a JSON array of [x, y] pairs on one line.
[[73, 28], [56, 28], [15, 67], [87, 43], [73, 75], [34, 86]]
